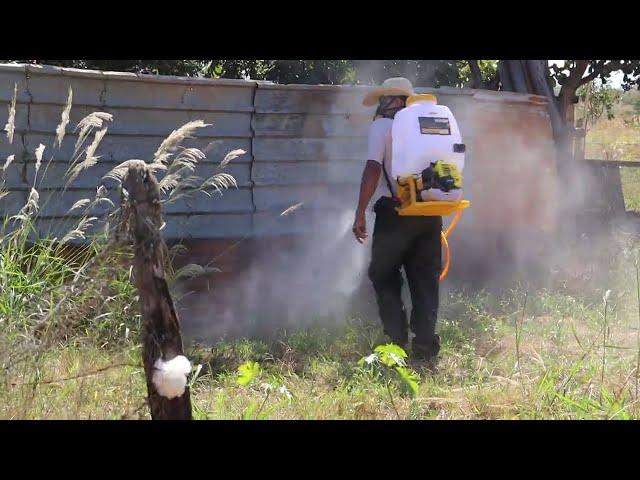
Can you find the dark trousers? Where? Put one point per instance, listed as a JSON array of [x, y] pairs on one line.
[[412, 243]]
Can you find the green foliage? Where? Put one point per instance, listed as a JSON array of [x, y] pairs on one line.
[[27, 272], [38, 284], [424, 73], [59, 295], [328, 72], [387, 363], [561, 372], [409, 378], [602, 70], [632, 99], [247, 372], [390, 355], [598, 100], [629, 109], [488, 71], [427, 73], [159, 67]]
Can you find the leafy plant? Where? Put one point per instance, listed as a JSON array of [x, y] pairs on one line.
[[247, 372], [387, 364], [75, 288], [597, 101]]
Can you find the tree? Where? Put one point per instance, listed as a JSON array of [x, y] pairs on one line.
[[634, 102], [537, 77], [631, 115], [281, 71], [328, 72], [597, 100], [481, 73], [158, 67], [424, 73]]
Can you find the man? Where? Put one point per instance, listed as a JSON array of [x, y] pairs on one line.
[[409, 242]]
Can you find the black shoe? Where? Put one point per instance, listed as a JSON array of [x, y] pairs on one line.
[[426, 351], [403, 345], [402, 341]]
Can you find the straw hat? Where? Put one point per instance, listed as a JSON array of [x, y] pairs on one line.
[[390, 87]]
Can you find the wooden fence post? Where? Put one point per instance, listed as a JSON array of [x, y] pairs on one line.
[[161, 337]]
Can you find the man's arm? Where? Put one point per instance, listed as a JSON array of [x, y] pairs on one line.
[[368, 185]]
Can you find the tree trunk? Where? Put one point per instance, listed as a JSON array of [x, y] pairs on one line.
[[536, 72], [161, 337], [476, 74], [531, 76], [584, 126], [505, 76], [518, 76]]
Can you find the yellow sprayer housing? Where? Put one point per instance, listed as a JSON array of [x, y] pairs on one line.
[[411, 206]]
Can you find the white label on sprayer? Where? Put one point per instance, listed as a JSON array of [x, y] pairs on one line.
[[434, 126]]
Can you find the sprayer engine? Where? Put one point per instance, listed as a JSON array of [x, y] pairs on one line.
[[441, 175]]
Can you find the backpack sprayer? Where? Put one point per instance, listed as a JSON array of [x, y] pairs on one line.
[[437, 190]]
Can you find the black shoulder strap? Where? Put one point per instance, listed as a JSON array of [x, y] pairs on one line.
[[386, 177]]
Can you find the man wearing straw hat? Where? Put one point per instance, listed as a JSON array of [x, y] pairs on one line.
[[412, 242]]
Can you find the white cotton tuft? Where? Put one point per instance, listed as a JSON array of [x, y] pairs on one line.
[[170, 378]]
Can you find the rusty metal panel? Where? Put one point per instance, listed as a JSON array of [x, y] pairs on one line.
[[514, 181], [210, 96], [310, 99], [602, 194], [307, 139], [12, 75], [309, 149], [310, 126], [49, 85], [204, 226], [309, 172]]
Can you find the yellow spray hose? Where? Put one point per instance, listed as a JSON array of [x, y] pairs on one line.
[[445, 243]]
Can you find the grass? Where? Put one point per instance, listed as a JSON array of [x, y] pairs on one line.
[[620, 141], [630, 178], [559, 374], [613, 140], [66, 308]]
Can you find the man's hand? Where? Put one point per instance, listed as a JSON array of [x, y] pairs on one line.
[[360, 227]]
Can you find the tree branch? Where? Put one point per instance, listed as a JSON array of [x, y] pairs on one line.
[[576, 74], [598, 70]]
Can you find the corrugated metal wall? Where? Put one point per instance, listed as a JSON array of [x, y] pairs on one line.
[[309, 146], [311, 143], [304, 143], [145, 109]]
